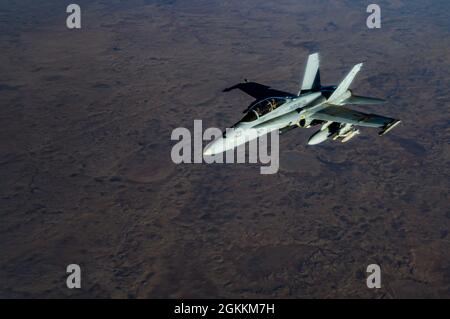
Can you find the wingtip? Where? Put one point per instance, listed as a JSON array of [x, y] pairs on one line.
[[389, 127]]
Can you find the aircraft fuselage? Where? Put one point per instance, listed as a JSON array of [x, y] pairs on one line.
[[293, 112]]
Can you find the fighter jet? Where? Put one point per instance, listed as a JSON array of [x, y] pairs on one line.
[[313, 105]]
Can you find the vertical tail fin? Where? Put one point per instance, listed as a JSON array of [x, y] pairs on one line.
[[311, 78], [338, 94]]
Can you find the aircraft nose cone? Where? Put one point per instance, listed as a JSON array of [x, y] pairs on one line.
[[214, 147], [208, 150]]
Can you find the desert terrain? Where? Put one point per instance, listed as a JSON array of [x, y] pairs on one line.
[[86, 175]]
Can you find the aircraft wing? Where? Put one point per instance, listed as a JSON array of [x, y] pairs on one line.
[[341, 114], [259, 91]]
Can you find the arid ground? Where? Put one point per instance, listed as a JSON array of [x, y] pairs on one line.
[[86, 175]]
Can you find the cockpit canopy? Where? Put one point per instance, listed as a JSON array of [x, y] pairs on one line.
[[263, 107]]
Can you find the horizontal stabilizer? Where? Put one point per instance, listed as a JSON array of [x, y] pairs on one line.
[[258, 91], [363, 100]]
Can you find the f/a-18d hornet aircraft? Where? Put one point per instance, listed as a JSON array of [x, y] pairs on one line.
[[313, 105]]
